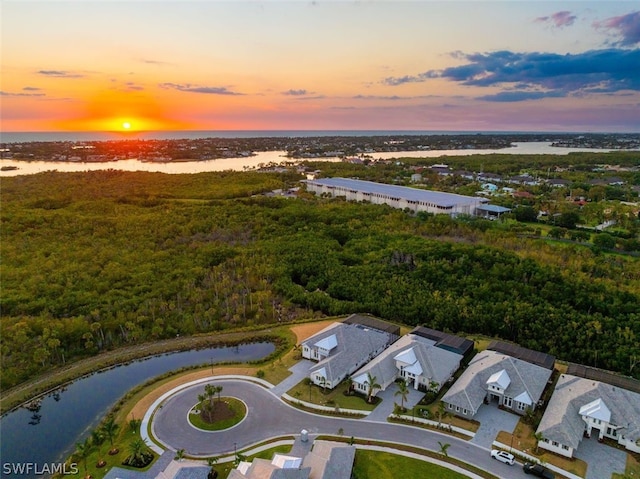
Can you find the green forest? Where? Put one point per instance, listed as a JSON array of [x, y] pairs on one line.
[[93, 261]]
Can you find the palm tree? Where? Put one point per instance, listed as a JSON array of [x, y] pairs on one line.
[[179, 455], [138, 453], [443, 448], [442, 412], [83, 451], [134, 424], [210, 392], [372, 385], [349, 382], [213, 474], [403, 392], [323, 382], [219, 390], [109, 429], [538, 437]]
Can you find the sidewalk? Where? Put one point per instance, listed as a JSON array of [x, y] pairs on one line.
[[299, 371]]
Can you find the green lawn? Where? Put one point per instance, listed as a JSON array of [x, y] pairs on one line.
[[330, 397], [382, 465], [237, 406]]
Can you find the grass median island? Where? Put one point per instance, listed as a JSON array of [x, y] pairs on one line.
[[226, 413]]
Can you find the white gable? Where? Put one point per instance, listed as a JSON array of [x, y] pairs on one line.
[[286, 462], [243, 467], [500, 379], [407, 357], [327, 343], [361, 379], [414, 368], [321, 372], [524, 398], [597, 410]]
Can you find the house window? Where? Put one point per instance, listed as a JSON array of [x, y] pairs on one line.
[[522, 406], [457, 408], [450, 406], [508, 402], [464, 411], [566, 448], [554, 443]]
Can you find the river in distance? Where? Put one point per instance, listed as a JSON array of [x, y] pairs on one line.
[[48, 435], [262, 158]]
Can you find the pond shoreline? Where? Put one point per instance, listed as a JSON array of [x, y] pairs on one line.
[[52, 381]]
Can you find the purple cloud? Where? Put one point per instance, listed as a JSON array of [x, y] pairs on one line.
[[299, 92], [209, 90], [626, 27], [558, 19], [6, 93], [31, 88], [59, 74], [420, 77], [533, 75]]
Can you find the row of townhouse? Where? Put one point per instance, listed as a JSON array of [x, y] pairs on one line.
[[505, 375]]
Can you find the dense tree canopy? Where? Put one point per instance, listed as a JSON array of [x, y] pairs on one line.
[[92, 261]]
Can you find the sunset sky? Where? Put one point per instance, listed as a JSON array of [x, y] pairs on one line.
[[316, 65]]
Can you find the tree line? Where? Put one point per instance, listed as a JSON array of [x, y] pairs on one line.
[[93, 261]]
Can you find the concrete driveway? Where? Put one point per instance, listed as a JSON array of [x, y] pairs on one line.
[[269, 417], [389, 399], [492, 421], [602, 460]]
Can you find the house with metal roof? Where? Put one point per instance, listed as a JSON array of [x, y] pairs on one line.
[[493, 377], [581, 406], [327, 460], [416, 359], [436, 202], [341, 349]]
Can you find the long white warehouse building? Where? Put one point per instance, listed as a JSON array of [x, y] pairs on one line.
[[436, 202]]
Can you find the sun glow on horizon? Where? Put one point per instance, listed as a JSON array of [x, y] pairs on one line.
[[126, 125]]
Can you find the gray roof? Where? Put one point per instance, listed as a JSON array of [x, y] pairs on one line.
[[356, 343], [330, 460], [439, 198], [265, 469], [469, 391], [437, 364], [562, 422]]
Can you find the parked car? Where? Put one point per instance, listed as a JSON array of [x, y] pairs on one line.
[[503, 456], [538, 470]]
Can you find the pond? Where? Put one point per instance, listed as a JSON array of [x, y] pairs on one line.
[[49, 434]]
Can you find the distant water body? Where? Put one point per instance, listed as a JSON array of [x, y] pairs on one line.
[[21, 137], [261, 158]]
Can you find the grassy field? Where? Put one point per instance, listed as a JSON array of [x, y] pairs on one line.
[[383, 465]]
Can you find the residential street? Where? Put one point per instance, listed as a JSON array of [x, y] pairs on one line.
[[269, 417]]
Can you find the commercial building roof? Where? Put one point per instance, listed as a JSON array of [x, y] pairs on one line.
[[438, 198]]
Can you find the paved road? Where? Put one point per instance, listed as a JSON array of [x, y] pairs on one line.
[[270, 417]]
